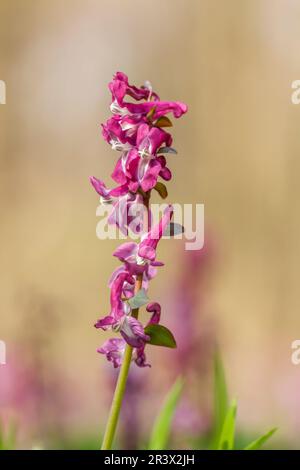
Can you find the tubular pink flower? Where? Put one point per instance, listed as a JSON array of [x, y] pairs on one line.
[[126, 213], [165, 172], [147, 247], [155, 309], [118, 296], [139, 357], [150, 139], [108, 194], [137, 172], [133, 332], [114, 350], [126, 206], [139, 353], [126, 167], [161, 108], [121, 130], [120, 87]]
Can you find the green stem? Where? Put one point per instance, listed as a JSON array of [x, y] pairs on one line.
[[117, 400]]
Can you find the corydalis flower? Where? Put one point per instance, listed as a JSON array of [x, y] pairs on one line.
[[114, 348], [120, 87], [139, 355], [120, 292], [137, 255], [119, 318], [141, 166], [136, 130], [126, 207]]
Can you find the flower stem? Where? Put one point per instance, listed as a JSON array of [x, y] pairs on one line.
[[122, 378]]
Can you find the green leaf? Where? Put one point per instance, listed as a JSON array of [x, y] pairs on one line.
[[162, 425], [139, 299], [161, 189], [160, 336], [226, 441], [258, 443], [167, 150], [220, 398], [163, 121]]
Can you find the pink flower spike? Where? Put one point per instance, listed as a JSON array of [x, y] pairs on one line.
[[137, 132]]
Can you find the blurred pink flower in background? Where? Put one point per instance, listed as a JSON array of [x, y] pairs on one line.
[[191, 321], [35, 395]]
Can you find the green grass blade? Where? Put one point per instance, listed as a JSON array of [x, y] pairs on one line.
[[258, 443], [226, 441], [10, 441], [1, 437], [8, 438], [220, 399], [162, 426]]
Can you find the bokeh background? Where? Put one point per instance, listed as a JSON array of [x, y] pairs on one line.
[[233, 63]]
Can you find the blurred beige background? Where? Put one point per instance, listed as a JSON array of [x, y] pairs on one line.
[[233, 63]]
